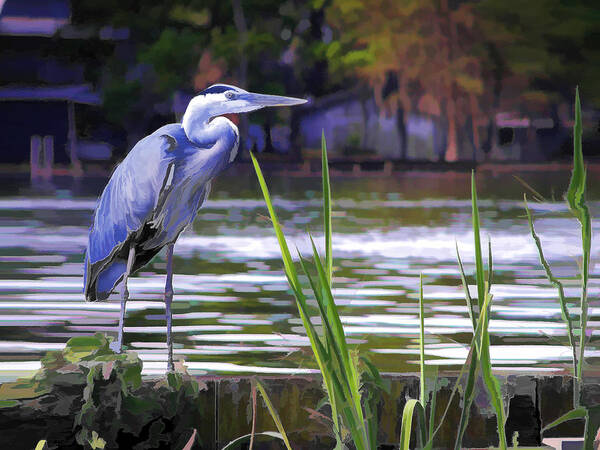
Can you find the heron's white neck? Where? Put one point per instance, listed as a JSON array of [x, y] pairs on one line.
[[197, 125], [221, 134]]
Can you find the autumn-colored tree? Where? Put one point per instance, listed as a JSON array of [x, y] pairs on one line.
[[427, 47]]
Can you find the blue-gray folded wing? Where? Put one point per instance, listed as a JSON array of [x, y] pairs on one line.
[[125, 208]]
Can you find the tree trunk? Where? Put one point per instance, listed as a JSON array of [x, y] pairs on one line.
[[365, 118], [240, 24], [268, 141], [402, 133], [295, 138], [475, 130], [488, 144], [452, 147]]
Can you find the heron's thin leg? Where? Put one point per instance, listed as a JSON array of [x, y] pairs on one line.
[[124, 297], [168, 300]]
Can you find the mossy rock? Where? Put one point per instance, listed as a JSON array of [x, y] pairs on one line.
[[87, 396]]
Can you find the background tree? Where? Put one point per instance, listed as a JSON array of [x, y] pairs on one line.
[[460, 63], [417, 56]]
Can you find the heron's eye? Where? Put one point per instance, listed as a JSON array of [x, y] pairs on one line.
[[229, 95]]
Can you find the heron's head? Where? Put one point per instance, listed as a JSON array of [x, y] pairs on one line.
[[220, 99]]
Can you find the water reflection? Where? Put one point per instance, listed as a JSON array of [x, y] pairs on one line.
[[232, 308]]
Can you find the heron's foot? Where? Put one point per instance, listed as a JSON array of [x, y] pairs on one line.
[[116, 347]]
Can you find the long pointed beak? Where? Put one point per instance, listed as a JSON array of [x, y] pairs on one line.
[[271, 100]]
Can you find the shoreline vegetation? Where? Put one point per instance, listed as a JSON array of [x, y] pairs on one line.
[[339, 168], [86, 396]]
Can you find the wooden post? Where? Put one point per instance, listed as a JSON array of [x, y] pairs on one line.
[[306, 167], [387, 167], [72, 137], [48, 158], [34, 160]]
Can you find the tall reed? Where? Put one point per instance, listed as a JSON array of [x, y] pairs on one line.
[[480, 318], [578, 207], [337, 363]]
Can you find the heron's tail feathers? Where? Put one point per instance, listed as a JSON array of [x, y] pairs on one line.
[[106, 280]]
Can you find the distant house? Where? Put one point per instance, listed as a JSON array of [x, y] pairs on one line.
[[354, 125], [528, 139], [38, 91]]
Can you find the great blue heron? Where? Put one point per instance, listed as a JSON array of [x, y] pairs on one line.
[[158, 189]]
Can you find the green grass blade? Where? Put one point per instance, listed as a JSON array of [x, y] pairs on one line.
[[479, 276], [421, 342], [374, 374], [491, 382], [237, 443], [490, 278], [337, 365], [432, 407], [469, 393], [577, 413], [468, 298], [479, 360], [373, 384], [371, 418], [564, 309], [484, 301], [536, 195], [322, 355], [577, 205], [468, 362], [576, 189], [327, 229], [41, 445], [453, 393], [351, 377], [292, 277], [285, 252], [333, 315], [331, 351], [411, 406], [273, 412], [319, 297], [592, 425]]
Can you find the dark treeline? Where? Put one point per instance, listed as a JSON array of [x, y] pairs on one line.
[[458, 62]]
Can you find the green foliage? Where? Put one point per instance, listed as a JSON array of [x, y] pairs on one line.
[[421, 343], [483, 289], [42, 445], [479, 275], [173, 57], [272, 412], [480, 360], [577, 413], [578, 207], [426, 434], [101, 393], [237, 443], [338, 365], [547, 40], [114, 93], [412, 406], [96, 441], [469, 391], [564, 307]]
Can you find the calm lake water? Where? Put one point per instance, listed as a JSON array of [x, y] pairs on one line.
[[233, 311]]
